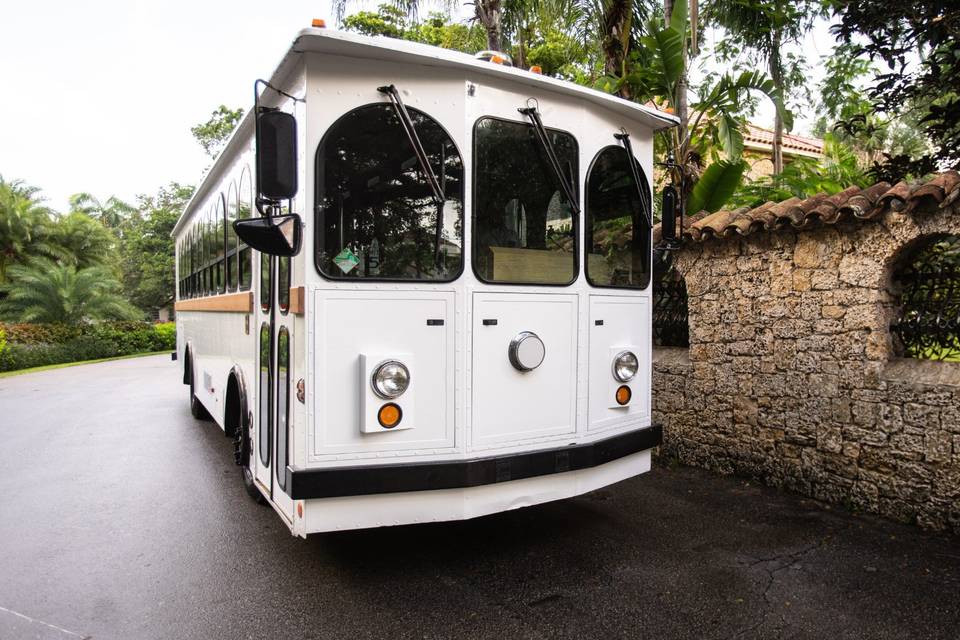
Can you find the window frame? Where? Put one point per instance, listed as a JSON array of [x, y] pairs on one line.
[[318, 224], [588, 229], [473, 209]]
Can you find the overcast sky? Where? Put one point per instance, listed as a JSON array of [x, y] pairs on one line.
[[100, 96]]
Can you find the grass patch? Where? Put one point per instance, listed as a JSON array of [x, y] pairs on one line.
[[48, 367]]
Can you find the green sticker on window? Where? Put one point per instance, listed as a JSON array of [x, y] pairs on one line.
[[346, 260]]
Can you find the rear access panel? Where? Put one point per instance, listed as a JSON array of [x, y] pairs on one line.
[[355, 332], [617, 324], [512, 404]]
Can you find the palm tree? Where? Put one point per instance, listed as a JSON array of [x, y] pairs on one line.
[[87, 241], [111, 213], [25, 224], [711, 122], [765, 26], [44, 291]]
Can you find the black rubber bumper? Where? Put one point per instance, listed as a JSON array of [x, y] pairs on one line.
[[459, 474]]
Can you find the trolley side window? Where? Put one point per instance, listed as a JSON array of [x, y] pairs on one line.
[[617, 222], [245, 211], [377, 216], [524, 230]]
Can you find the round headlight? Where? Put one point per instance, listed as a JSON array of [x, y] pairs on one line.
[[625, 366], [390, 379]]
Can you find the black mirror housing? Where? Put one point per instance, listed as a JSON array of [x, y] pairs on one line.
[[276, 155], [275, 235], [668, 215]]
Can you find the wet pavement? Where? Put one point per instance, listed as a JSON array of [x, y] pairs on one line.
[[123, 517]]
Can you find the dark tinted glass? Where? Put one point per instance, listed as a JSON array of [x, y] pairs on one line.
[[266, 393], [245, 210], [618, 237], [231, 238], [283, 403], [265, 282], [376, 216], [524, 230], [220, 244], [283, 283]]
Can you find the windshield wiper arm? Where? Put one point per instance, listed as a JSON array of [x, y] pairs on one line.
[[411, 131], [568, 192], [624, 137]]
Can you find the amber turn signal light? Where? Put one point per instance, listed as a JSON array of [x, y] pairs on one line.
[[389, 415], [623, 395]]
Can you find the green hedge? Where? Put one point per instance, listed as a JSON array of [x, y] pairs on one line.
[[25, 345]]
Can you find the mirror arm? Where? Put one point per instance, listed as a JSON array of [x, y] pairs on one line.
[[679, 203], [568, 189], [411, 131]]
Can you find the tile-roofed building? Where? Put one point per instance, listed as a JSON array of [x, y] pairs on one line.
[[758, 149], [761, 139], [854, 203]]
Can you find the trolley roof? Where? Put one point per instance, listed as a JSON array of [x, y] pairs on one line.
[[342, 43]]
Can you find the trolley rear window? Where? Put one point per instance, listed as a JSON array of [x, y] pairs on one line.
[[618, 222], [524, 229], [377, 217]]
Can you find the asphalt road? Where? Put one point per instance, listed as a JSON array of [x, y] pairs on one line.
[[122, 517]]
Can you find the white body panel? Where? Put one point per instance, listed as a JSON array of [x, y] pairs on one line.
[[465, 399]]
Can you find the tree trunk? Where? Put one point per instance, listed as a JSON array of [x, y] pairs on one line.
[[776, 74], [487, 13], [681, 146]]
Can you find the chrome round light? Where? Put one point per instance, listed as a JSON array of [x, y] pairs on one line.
[[526, 351], [625, 366], [390, 379]]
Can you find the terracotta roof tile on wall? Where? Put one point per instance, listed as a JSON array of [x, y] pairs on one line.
[[854, 203]]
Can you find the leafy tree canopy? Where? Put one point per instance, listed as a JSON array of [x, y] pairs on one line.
[[919, 45], [213, 133], [147, 255]]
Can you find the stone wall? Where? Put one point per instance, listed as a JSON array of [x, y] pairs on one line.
[[792, 376]]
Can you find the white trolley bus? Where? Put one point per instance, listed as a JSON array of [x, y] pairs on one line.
[[415, 286]]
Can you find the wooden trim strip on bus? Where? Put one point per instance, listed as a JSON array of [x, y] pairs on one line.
[[237, 303], [297, 300], [234, 302]]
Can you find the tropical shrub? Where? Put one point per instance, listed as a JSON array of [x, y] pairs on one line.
[[44, 291], [35, 345]]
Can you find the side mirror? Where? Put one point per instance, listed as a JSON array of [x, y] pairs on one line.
[[668, 215], [276, 235], [276, 155]]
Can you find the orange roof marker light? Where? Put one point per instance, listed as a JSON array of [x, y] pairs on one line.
[[536, 69], [319, 23], [496, 57]]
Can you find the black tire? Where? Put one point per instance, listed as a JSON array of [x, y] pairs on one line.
[[197, 410]]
